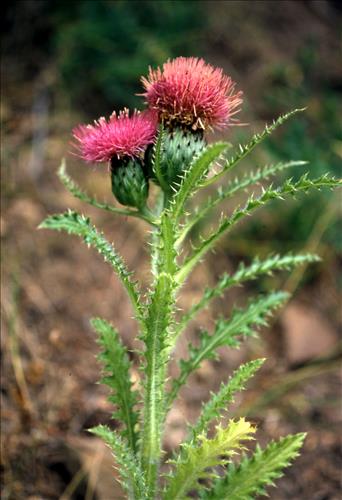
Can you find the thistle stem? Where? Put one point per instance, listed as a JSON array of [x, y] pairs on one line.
[[147, 215], [159, 317]]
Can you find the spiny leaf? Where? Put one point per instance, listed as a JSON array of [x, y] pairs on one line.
[[248, 479], [156, 159], [268, 194], [193, 176], [116, 371], [245, 149], [226, 333], [132, 477], [244, 273], [231, 189], [218, 402], [75, 223], [154, 240], [194, 460], [76, 191]]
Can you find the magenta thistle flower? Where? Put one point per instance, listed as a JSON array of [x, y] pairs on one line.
[[121, 136], [188, 92]]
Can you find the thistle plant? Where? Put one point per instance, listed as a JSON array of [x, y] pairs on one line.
[[166, 145]]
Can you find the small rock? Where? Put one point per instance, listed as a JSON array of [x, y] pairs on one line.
[[307, 335], [27, 210]]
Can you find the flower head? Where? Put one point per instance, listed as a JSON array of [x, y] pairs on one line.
[[188, 92], [121, 136]]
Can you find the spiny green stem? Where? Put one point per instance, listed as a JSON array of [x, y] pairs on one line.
[[160, 314]]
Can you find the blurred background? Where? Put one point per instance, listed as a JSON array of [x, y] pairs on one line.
[[66, 62]]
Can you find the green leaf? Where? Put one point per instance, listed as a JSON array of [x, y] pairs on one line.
[[245, 149], [218, 402], [242, 323], [156, 159], [154, 239], [195, 460], [132, 477], [268, 194], [248, 479], [231, 189], [78, 193], [116, 371], [245, 273], [75, 223], [158, 324], [193, 176]]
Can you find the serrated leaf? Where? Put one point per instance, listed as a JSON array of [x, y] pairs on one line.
[[195, 460], [242, 323], [249, 478], [245, 149], [77, 224], [231, 189], [132, 477], [253, 202], [245, 273], [193, 176], [219, 402], [156, 159], [116, 371]]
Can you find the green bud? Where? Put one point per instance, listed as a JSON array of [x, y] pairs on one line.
[[179, 148], [129, 183]]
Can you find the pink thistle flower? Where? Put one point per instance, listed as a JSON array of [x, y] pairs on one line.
[[121, 136], [188, 92]]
